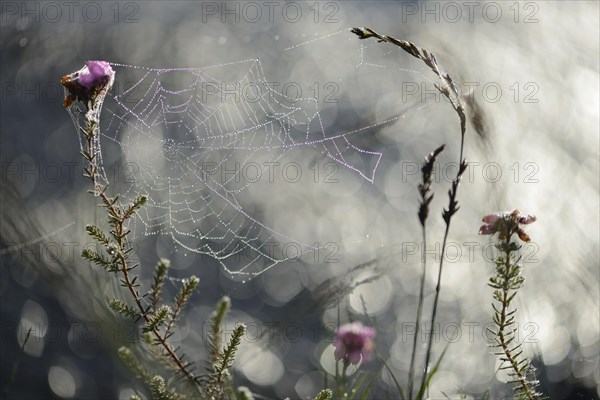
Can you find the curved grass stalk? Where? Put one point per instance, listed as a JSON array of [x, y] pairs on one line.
[[448, 88]]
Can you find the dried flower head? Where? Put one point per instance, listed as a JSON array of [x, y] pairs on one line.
[[81, 85], [353, 342], [506, 223]]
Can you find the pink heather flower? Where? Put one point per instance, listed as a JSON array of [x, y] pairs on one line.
[[87, 83], [487, 229], [506, 223], [493, 218], [490, 222], [95, 72], [353, 343]]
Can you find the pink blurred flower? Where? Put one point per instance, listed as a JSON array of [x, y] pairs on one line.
[[94, 73], [354, 342]]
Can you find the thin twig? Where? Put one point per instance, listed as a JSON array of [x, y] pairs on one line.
[[15, 367]]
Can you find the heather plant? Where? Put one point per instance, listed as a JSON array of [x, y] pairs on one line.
[[85, 93], [506, 282], [353, 344]]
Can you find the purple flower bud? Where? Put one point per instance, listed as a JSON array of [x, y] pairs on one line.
[[353, 343], [92, 81], [95, 73]]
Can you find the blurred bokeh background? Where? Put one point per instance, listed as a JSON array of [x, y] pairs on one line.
[[532, 70]]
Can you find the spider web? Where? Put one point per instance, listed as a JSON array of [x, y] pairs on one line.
[[189, 134]]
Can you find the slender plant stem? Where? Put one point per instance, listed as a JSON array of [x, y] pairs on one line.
[[438, 288], [120, 234], [340, 388], [342, 381], [452, 208], [15, 367], [502, 339], [411, 372]]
